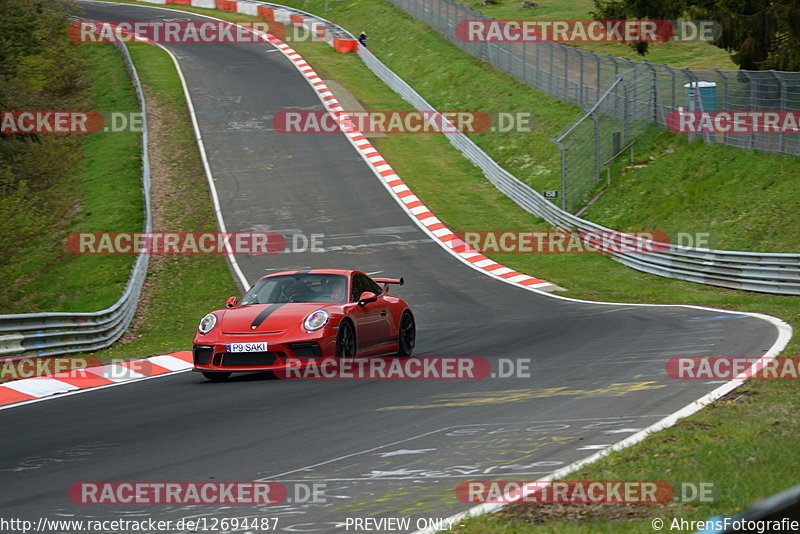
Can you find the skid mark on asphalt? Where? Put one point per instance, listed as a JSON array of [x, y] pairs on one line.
[[80, 453]]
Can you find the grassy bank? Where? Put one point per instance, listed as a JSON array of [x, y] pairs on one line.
[[103, 194]]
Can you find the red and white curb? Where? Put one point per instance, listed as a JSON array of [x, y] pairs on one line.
[[32, 389]]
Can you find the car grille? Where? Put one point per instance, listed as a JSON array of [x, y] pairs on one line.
[[248, 359], [202, 355], [306, 349]]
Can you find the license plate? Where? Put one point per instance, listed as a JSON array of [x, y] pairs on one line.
[[258, 346]]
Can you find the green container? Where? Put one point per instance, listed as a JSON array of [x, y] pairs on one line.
[[708, 96]]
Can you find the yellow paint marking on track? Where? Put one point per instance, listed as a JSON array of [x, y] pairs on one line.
[[477, 398]]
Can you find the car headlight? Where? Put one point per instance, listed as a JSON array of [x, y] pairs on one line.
[[207, 323], [316, 320]]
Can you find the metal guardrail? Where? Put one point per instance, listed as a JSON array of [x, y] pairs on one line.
[[766, 272], [50, 334]]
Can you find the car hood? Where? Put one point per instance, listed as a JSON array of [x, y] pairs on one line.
[[272, 318]]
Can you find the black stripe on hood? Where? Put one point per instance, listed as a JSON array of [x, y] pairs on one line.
[[266, 312]]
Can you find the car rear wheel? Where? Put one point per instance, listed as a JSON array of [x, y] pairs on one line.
[[216, 376], [407, 336], [346, 341]]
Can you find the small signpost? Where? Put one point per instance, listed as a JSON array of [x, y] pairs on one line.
[[551, 195]]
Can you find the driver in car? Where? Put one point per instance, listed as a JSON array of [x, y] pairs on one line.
[[289, 290]]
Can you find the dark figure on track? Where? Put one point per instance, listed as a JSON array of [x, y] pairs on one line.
[[362, 38]]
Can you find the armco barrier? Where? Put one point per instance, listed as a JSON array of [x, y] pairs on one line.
[[50, 334]]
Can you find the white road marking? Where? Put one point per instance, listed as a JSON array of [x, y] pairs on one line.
[[403, 451]]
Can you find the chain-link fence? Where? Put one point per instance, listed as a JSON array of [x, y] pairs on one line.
[[590, 143], [647, 93]]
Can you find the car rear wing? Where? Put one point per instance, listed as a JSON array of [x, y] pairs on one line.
[[387, 281]]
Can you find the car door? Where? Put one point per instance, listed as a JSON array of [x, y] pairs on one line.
[[372, 319]]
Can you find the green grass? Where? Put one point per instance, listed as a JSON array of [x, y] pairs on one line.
[[747, 200], [104, 195], [693, 55]]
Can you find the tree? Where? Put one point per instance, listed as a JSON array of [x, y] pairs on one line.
[[40, 69], [760, 34]]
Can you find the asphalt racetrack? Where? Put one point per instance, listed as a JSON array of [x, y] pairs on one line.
[[380, 448]]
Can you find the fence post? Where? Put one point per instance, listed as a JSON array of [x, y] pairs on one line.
[[752, 102], [450, 12], [654, 89], [672, 73], [626, 115], [690, 103], [724, 105], [524, 60], [596, 148], [563, 173], [538, 65], [599, 79], [781, 136]]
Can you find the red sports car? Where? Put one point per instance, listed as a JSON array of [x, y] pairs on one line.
[[294, 318]]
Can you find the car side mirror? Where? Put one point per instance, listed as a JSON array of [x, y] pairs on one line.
[[366, 297], [231, 302]]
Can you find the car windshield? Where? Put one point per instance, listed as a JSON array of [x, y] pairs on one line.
[[298, 288]]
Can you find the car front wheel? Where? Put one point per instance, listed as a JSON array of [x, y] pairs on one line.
[[346, 341]]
